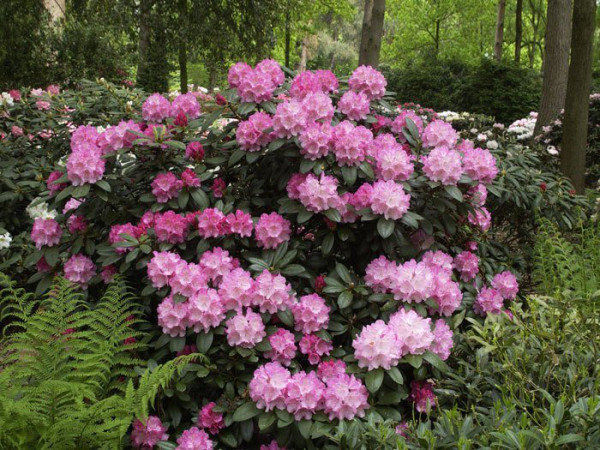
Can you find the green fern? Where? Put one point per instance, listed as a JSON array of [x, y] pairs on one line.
[[16, 304], [63, 375]]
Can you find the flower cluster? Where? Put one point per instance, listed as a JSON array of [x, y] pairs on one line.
[[303, 394]]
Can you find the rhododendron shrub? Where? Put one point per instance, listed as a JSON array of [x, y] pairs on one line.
[[317, 245]]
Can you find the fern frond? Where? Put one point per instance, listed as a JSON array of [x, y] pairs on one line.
[[16, 304]]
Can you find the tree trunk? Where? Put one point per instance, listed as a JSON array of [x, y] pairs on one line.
[[144, 39], [183, 24], [288, 38], [518, 30], [575, 128], [372, 33], [499, 30], [303, 55], [556, 63]]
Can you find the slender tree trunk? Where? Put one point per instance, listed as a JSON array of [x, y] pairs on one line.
[[183, 23], [575, 128], [144, 39], [303, 55], [518, 30], [556, 62], [288, 38], [499, 40], [372, 33]]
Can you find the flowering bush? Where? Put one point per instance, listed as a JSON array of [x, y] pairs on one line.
[[309, 247]]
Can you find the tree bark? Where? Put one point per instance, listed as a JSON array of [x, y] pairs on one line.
[[183, 21], [372, 33], [144, 39], [303, 55], [556, 63], [575, 127], [518, 30], [499, 40]]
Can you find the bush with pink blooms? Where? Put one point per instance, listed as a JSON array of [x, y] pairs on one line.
[[318, 246]]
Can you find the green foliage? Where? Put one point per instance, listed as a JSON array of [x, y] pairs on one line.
[[503, 90], [63, 382], [567, 266]]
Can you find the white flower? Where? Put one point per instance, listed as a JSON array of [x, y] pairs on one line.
[[7, 99], [40, 210], [481, 137], [492, 145], [449, 116], [473, 131], [5, 240], [552, 150]]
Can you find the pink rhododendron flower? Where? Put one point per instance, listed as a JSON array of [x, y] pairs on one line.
[[345, 398], [146, 436], [331, 369], [506, 283], [361, 199], [236, 289], [392, 162], [273, 445], [195, 150], [319, 194], [80, 269], [162, 267], [239, 222], [303, 395], [293, 184], [481, 219], [108, 273], [283, 347], [306, 82], [400, 122], [327, 80], [218, 188], [422, 394], [187, 279], [216, 263], [194, 439], [489, 301], [412, 331], [315, 140], [209, 419], [85, 167], [271, 292], [443, 165], [446, 293], [311, 314], [15, 94], [389, 199], [380, 274], [251, 134], [314, 347], [186, 104], [255, 86], [438, 259], [189, 179], [290, 119], [205, 310], [442, 341], [268, 384], [77, 224], [272, 230], [377, 346], [317, 106], [245, 330], [479, 164], [165, 187], [369, 81], [439, 134], [42, 105], [172, 316], [237, 72], [467, 264], [170, 227], [271, 68], [412, 282], [45, 232], [355, 105], [54, 187], [211, 222], [478, 194], [16, 131], [156, 108], [350, 143]]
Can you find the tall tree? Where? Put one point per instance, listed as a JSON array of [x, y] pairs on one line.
[[144, 39], [183, 35], [575, 128], [372, 32], [556, 62], [499, 40], [518, 30]]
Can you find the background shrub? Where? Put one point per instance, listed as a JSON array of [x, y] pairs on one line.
[[502, 90]]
